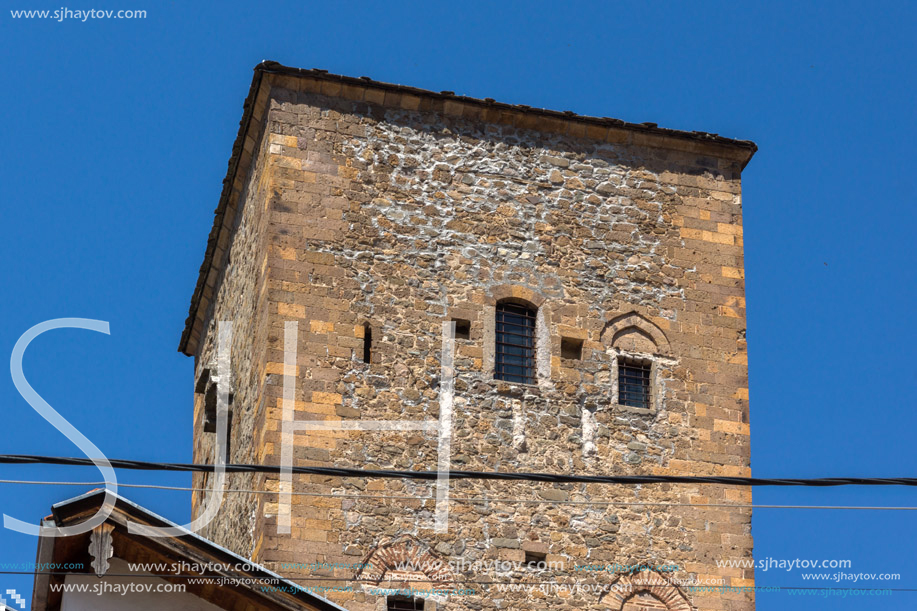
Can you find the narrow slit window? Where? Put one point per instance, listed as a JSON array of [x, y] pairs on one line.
[[202, 381], [210, 409], [515, 343], [227, 457], [634, 383], [367, 343]]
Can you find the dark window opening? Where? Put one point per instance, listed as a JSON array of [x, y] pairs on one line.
[[202, 381], [210, 409], [367, 343], [634, 383], [571, 348], [462, 328], [536, 560], [403, 603], [515, 346], [227, 457]]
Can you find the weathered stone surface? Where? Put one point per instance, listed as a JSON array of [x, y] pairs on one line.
[[361, 215]]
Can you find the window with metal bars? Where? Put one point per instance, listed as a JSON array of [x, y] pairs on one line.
[[634, 383], [403, 603], [514, 354]]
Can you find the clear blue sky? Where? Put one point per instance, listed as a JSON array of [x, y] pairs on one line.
[[115, 137]]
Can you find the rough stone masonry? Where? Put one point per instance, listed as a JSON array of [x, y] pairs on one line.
[[370, 214]]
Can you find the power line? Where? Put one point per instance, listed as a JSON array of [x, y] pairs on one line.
[[455, 583], [482, 499], [556, 478]]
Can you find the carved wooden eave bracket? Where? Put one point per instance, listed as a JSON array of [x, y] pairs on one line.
[[100, 547]]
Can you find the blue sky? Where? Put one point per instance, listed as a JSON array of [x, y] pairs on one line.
[[116, 135]]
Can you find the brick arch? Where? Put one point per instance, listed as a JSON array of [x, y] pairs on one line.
[[636, 323], [515, 292], [422, 564], [644, 601], [627, 586]]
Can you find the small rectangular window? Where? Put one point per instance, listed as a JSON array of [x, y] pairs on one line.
[[634, 383], [403, 603], [536, 560], [462, 328], [571, 348]]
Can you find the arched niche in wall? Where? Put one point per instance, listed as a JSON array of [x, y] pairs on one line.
[[634, 333]]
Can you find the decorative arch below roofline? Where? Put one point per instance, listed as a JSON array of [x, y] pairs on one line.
[[633, 320], [629, 585]]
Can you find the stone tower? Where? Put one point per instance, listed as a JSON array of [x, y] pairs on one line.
[[593, 270]]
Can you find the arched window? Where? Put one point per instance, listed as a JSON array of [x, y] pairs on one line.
[[514, 354]]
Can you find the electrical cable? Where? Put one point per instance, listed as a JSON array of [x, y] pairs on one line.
[[482, 499], [711, 587], [556, 478], [470, 475]]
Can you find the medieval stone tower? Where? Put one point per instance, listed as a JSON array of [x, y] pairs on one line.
[[593, 270]]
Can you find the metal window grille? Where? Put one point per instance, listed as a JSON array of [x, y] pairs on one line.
[[634, 383], [401, 603], [515, 344]]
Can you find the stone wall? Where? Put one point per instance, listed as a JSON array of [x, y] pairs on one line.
[[364, 213], [242, 300]]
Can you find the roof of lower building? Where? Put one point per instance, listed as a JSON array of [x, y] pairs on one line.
[[185, 550]]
